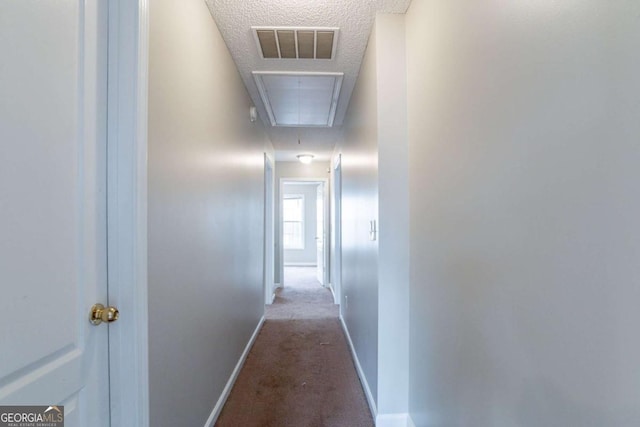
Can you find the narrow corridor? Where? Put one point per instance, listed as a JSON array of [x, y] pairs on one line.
[[299, 372]]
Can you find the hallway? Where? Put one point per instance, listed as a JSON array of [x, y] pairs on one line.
[[481, 207], [299, 372]]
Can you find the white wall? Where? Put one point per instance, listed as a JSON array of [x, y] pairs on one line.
[[309, 254], [316, 170], [393, 207], [205, 214], [523, 130], [359, 149], [375, 274]]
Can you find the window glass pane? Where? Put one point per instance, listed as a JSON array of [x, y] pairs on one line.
[[292, 233], [293, 222], [292, 208]]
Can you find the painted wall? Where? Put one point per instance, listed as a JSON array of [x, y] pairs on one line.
[[393, 210], [375, 273], [309, 254], [523, 130], [205, 214], [316, 170], [359, 149]]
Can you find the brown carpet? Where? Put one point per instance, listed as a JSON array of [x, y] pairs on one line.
[[299, 372]]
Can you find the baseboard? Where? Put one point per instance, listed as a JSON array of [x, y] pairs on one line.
[[394, 420], [363, 380], [276, 286], [336, 300], [271, 299], [232, 379], [300, 264], [333, 294], [410, 422]]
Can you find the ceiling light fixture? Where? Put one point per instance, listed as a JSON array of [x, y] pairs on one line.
[[305, 158]]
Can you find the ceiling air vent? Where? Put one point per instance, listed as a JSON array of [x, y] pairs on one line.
[[296, 42]]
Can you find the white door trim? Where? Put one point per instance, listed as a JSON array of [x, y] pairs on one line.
[[336, 229], [127, 211], [269, 224]]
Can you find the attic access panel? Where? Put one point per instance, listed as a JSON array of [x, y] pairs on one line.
[[296, 42], [295, 99]]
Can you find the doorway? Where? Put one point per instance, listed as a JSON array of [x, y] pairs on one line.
[[304, 226]]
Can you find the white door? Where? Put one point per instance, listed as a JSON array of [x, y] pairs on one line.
[[320, 233], [53, 206]]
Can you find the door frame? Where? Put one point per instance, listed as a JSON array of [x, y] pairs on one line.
[[336, 229], [326, 225], [127, 99], [269, 234]]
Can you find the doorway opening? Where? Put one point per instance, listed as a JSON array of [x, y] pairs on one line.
[[304, 230]]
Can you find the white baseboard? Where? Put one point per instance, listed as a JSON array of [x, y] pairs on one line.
[[333, 294], [300, 264], [271, 299], [363, 379], [232, 379], [276, 286], [394, 420]]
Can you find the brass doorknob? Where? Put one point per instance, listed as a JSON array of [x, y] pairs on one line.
[[99, 313]]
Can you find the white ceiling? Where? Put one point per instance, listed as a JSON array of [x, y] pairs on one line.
[[354, 18]]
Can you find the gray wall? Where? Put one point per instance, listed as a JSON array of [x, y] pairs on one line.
[[523, 128], [309, 254], [316, 170], [205, 214]]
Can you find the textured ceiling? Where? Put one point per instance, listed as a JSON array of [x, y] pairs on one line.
[[354, 18]]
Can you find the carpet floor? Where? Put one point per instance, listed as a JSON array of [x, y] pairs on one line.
[[299, 372]]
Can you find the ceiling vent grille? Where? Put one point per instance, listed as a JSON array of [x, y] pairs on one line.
[[296, 42]]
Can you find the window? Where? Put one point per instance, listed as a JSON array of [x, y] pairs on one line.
[[293, 221]]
